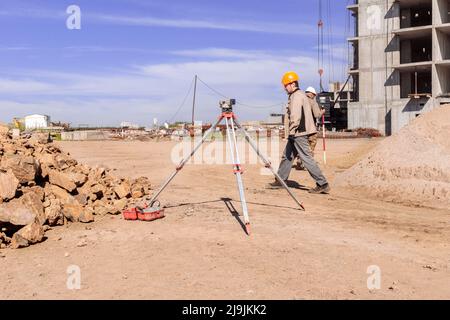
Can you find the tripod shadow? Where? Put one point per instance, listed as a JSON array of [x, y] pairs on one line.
[[233, 212], [229, 200], [231, 208]]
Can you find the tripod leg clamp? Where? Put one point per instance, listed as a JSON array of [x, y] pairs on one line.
[[238, 169]]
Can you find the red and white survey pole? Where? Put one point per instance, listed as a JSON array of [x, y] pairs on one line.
[[324, 140]]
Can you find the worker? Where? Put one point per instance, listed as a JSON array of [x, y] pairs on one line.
[[317, 114], [301, 127]]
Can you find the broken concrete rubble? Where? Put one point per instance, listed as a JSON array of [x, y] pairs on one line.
[[30, 234], [8, 185], [41, 186]]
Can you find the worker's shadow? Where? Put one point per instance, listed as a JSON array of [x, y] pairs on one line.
[[295, 185], [228, 202]]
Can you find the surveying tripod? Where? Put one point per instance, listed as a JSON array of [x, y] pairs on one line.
[[230, 121]]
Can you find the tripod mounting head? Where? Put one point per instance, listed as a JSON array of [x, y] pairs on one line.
[[227, 105]]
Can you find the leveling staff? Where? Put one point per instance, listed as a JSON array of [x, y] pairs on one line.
[[301, 127]]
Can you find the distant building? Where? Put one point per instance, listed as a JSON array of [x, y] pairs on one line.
[[129, 125], [275, 119], [36, 121]]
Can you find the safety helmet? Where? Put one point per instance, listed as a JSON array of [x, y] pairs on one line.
[[289, 77], [312, 90]]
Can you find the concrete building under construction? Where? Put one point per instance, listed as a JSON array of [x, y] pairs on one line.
[[399, 61]]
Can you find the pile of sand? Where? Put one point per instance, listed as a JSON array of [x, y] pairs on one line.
[[411, 167]]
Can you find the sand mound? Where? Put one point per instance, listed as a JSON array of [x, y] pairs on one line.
[[411, 167]]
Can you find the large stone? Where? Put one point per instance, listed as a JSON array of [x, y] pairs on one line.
[[72, 211], [97, 174], [40, 137], [100, 208], [30, 234], [99, 190], [9, 149], [120, 204], [33, 201], [23, 167], [46, 160], [123, 190], [137, 192], [8, 185], [62, 179], [143, 181], [16, 213], [82, 199], [38, 190], [61, 194], [45, 170], [78, 178], [86, 216], [54, 215], [64, 161]]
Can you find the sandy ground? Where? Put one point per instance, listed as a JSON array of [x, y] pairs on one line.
[[199, 251]]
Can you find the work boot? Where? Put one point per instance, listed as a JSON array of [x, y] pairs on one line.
[[274, 185], [325, 189]]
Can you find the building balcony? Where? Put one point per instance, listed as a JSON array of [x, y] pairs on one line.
[[416, 44], [417, 66], [413, 32]]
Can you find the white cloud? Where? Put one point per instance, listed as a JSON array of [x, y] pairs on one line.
[[248, 26], [14, 48], [24, 86], [142, 92], [223, 53]]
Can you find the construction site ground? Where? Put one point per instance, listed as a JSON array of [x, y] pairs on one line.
[[200, 251]]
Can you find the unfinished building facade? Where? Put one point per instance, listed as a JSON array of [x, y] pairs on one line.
[[400, 61]]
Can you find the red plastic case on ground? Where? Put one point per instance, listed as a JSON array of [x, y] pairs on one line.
[[146, 214], [130, 214], [150, 214]]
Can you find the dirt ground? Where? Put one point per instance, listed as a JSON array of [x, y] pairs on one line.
[[199, 251]]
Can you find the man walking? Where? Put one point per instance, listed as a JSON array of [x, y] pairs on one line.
[[317, 114], [301, 127]]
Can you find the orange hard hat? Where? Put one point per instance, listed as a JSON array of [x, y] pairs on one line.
[[289, 77]]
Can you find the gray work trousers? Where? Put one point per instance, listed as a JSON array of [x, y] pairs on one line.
[[300, 146]]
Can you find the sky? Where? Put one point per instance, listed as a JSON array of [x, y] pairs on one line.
[[135, 60]]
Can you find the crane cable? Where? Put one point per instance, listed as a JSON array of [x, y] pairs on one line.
[[183, 102], [320, 51], [330, 42], [238, 102]]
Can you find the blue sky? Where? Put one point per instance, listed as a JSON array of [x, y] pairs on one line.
[[134, 60]]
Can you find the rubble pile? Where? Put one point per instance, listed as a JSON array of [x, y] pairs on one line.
[[41, 186]]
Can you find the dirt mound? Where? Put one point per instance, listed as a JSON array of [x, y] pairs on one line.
[[411, 167], [41, 186]]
